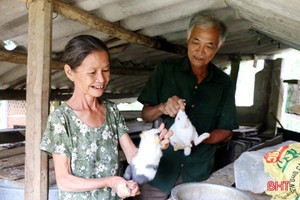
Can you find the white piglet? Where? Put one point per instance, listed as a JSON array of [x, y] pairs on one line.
[[143, 167], [185, 133]]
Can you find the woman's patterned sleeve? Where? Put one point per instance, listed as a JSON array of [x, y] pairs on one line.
[[55, 138], [120, 121]]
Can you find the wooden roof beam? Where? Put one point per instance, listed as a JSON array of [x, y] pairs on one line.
[[96, 23], [57, 95], [19, 58]]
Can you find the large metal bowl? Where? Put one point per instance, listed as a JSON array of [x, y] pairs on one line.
[[207, 191]]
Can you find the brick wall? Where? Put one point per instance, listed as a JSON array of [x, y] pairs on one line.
[[16, 113]]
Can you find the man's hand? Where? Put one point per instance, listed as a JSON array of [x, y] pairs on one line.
[[172, 106]]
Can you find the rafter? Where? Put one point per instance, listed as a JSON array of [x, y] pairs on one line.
[[99, 24], [58, 95], [19, 58]]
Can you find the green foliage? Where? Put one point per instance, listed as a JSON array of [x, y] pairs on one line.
[[290, 70], [134, 106]]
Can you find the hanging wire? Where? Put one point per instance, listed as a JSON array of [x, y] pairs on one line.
[[258, 38], [55, 15], [26, 4]]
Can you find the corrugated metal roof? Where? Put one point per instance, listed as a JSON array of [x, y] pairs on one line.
[[256, 27]]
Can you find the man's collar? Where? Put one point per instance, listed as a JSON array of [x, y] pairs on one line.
[[186, 66], [210, 72]]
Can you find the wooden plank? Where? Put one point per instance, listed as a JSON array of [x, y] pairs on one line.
[[12, 161], [11, 152], [17, 172], [37, 97], [13, 173], [52, 179]]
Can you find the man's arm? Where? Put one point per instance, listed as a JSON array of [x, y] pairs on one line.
[[218, 135], [151, 113], [171, 107]]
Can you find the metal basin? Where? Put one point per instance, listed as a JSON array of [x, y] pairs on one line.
[[207, 191]]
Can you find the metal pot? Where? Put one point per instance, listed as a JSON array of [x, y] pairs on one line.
[[207, 191]]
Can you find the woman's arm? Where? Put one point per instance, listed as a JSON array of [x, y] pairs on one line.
[[128, 147], [67, 182]]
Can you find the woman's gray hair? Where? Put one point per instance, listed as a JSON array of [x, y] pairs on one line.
[[202, 20], [81, 46]]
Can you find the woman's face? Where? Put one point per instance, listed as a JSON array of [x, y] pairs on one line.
[[92, 76]]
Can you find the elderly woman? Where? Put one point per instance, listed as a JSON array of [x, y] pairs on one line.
[[84, 133]]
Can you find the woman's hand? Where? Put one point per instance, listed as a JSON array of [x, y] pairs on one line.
[[164, 136], [134, 188], [124, 188]]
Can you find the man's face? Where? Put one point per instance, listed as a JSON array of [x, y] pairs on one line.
[[202, 45]]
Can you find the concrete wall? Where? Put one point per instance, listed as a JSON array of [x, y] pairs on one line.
[[267, 97]]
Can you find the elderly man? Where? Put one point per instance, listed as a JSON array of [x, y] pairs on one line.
[[194, 84]]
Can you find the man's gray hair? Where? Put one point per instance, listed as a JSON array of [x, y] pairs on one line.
[[202, 20]]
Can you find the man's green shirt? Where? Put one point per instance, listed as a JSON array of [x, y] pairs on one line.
[[210, 105]]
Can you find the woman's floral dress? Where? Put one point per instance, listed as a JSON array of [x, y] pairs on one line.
[[93, 151]]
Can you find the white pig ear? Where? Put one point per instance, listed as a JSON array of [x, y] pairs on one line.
[[142, 135], [156, 140]]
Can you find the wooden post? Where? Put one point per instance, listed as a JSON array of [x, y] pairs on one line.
[[235, 67], [37, 97], [276, 95]]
